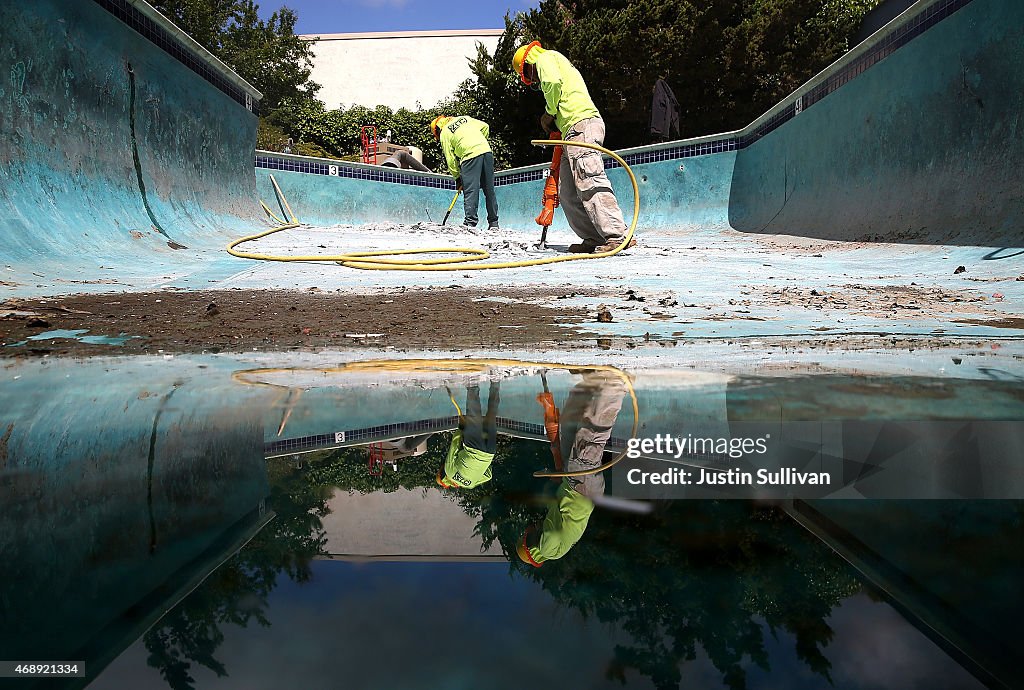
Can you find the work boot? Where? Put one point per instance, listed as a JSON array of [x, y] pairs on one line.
[[609, 246], [493, 226], [584, 247]]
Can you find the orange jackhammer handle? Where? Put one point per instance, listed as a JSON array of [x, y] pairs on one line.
[[551, 420], [550, 196]]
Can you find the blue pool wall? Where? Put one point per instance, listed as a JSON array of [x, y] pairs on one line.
[[924, 146], [70, 183], [685, 193]]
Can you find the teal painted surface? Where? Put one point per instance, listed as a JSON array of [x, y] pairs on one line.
[[925, 146], [71, 191], [686, 194], [113, 480], [327, 200]]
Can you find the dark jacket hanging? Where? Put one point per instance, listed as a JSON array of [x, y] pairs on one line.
[[664, 112]]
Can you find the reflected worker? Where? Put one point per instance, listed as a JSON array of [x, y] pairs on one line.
[[473, 445], [586, 425]]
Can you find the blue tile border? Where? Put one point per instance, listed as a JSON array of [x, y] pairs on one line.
[[149, 29], [325, 441], [305, 444], [735, 141], [320, 166]]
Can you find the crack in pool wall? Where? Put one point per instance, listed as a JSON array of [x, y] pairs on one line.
[[149, 470], [135, 153]]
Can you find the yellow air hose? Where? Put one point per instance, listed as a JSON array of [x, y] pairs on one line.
[[458, 366], [372, 261]]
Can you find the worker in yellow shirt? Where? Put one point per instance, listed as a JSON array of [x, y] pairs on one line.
[[584, 190], [471, 162], [585, 427], [473, 445]]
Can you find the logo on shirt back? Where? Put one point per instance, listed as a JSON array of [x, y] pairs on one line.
[[468, 482], [458, 123]]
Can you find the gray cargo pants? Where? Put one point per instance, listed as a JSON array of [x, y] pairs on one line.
[[584, 191], [586, 425]]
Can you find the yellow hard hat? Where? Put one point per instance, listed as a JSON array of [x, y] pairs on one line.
[[519, 59], [523, 551], [442, 481], [436, 124]]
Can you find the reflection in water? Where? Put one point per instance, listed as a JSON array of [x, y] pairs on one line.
[[472, 448], [117, 501], [236, 593], [581, 432], [169, 471], [715, 584]]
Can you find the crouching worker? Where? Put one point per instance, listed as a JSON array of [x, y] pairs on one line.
[[471, 162], [473, 445], [585, 425], [584, 190]]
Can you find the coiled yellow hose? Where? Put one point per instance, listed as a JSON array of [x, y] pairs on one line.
[[372, 261]]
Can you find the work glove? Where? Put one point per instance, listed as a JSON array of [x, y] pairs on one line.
[[547, 123], [458, 184]]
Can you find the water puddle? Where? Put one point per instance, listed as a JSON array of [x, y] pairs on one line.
[[78, 334], [216, 521]]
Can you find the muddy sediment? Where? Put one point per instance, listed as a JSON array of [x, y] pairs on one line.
[[448, 318], [243, 320]]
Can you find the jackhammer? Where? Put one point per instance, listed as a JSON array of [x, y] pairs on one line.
[[550, 198]]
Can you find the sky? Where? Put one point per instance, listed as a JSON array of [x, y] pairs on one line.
[[351, 16]]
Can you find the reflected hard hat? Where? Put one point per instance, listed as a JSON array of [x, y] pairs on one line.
[[519, 59], [442, 481], [523, 551], [436, 124]]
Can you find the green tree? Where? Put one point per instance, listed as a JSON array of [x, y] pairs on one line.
[[727, 60], [203, 20], [267, 54]]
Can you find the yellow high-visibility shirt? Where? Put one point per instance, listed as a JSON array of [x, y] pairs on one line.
[[466, 467], [563, 526], [463, 138], [565, 93]]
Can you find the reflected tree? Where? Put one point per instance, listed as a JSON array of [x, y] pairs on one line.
[[236, 593], [718, 574]]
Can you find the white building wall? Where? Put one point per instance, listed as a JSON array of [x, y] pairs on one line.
[[408, 523], [394, 69]]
